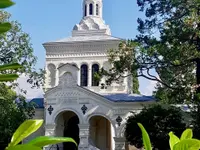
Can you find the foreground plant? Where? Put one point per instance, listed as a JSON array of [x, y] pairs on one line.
[[26, 129], [186, 142]]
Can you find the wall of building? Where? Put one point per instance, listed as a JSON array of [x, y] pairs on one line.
[[39, 114]]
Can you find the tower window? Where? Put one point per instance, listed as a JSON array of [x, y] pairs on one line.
[[97, 9], [91, 9], [95, 69], [85, 10], [84, 75]]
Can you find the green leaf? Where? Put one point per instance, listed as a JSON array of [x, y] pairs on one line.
[[25, 129], [173, 139], [145, 138], [4, 27], [8, 77], [45, 140], [187, 134], [24, 147], [6, 3], [187, 144], [10, 67]]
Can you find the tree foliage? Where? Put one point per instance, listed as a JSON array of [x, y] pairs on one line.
[[158, 121], [166, 49], [121, 60], [15, 47], [14, 110], [175, 54]]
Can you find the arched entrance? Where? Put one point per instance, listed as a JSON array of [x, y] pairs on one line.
[[67, 126], [100, 133]]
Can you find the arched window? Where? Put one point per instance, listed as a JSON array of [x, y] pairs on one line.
[[95, 69], [91, 9], [85, 10], [97, 9], [84, 75]]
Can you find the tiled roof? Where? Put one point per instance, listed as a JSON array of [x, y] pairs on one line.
[[128, 97], [39, 102], [111, 97]]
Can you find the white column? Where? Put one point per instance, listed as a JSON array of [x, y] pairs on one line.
[[89, 75], [79, 75], [88, 9], [84, 135], [101, 10], [112, 136], [49, 131], [119, 143], [94, 11], [56, 77]]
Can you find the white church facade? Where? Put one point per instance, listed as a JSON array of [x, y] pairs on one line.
[[72, 91]]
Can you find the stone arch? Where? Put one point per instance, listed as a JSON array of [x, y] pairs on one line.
[[60, 111], [84, 26], [60, 64], [101, 131], [67, 125], [91, 9], [95, 26], [95, 69], [52, 74], [74, 64], [105, 116], [84, 71]]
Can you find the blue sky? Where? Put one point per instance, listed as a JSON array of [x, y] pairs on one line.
[[47, 20]]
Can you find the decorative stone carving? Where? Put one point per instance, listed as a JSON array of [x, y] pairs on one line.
[[68, 100], [67, 80], [119, 120], [84, 109], [119, 143], [52, 74], [50, 109]]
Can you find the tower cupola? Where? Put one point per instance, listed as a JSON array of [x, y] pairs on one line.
[[92, 23]]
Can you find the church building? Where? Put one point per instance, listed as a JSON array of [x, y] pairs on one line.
[[72, 93]]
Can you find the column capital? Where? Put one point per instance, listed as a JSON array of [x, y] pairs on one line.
[[50, 129], [50, 126], [119, 139], [84, 126]]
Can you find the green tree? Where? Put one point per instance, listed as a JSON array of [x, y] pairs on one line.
[[166, 49], [121, 60], [14, 110], [15, 47], [158, 121]]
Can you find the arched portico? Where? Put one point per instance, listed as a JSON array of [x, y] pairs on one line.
[[60, 111], [67, 125], [104, 116], [101, 132]]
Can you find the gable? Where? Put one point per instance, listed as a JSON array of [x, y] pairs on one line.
[[74, 95]]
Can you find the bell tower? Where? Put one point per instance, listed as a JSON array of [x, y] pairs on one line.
[[92, 8], [92, 23]]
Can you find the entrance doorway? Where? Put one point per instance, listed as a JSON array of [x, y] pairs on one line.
[[100, 133], [67, 126]]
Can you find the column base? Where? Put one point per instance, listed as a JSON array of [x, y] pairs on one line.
[[119, 143]]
